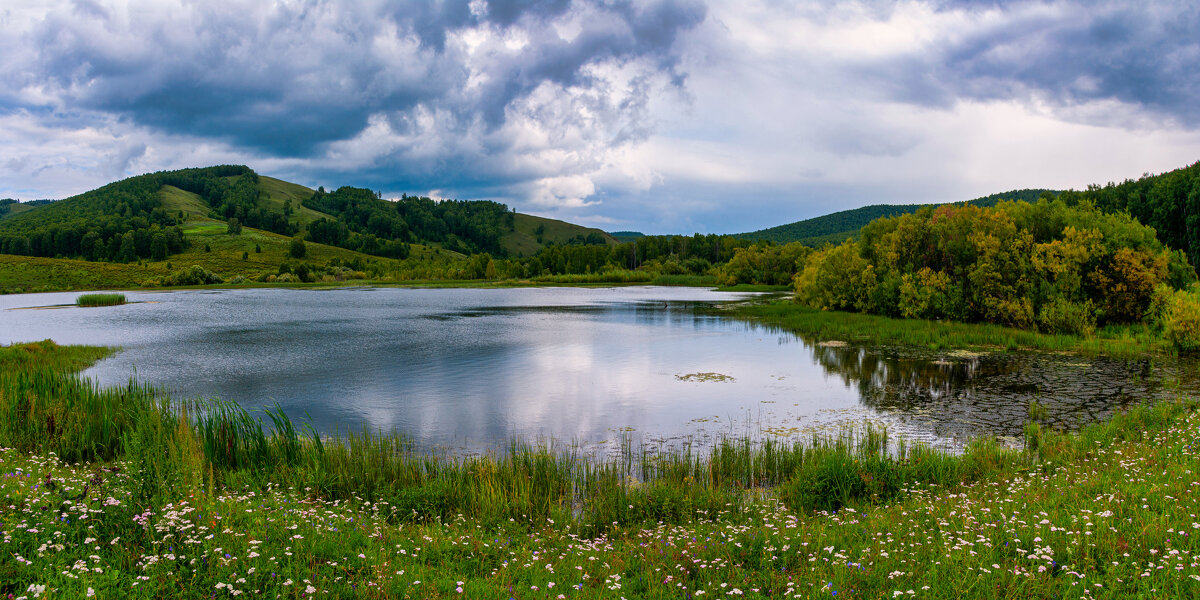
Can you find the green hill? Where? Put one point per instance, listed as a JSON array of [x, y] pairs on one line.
[[837, 227], [530, 234], [626, 236], [10, 207], [235, 223]]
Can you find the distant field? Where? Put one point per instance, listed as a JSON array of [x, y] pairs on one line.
[[224, 257]]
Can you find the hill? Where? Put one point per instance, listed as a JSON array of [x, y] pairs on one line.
[[530, 234], [234, 222], [9, 206], [626, 236], [837, 227]]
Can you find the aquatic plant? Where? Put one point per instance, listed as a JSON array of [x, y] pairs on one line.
[[100, 299]]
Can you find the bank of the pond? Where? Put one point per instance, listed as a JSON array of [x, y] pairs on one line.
[[1133, 341], [165, 504]]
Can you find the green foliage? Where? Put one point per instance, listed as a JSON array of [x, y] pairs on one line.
[[1169, 203], [120, 222], [840, 226], [1063, 316], [297, 248], [1181, 320], [1058, 267], [764, 264], [365, 222], [194, 275], [100, 299]]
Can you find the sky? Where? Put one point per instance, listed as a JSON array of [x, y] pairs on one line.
[[661, 116]]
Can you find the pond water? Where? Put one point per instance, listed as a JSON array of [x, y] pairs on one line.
[[470, 369]]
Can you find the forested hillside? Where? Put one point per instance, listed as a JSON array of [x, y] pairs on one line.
[[363, 221], [142, 217], [837, 227], [1170, 203], [124, 221]]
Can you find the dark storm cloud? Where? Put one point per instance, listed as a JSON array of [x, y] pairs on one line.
[[1067, 54], [287, 80]]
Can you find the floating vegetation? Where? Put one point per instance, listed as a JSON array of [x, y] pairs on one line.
[[832, 344], [100, 300], [704, 377]]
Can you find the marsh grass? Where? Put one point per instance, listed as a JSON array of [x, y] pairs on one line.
[[100, 300]]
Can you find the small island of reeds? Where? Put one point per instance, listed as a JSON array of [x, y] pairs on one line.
[[100, 300]]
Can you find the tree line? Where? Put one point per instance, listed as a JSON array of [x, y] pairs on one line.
[[1054, 265], [362, 220]]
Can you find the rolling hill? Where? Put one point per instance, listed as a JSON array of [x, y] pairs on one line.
[[139, 230], [836, 227]]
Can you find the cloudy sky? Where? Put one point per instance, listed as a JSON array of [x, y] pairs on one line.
[[656, 115]]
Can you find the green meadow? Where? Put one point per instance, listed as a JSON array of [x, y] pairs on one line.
[[126, 491]]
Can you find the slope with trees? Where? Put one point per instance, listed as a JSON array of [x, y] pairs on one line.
[[837, 227]]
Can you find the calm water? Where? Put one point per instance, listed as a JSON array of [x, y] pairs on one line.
[[469, 369]]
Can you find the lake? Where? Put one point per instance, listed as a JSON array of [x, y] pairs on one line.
[[470, 369]]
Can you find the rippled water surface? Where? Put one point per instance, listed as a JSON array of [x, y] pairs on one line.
[[472, 368]]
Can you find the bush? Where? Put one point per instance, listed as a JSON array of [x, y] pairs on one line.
[[1182, 323], [297, 248], [1064, 316], [194, 275]]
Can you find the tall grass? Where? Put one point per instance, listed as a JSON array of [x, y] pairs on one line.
[[100, 299]]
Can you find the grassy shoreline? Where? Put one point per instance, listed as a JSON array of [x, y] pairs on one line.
[[205, 502], [1120, 342]]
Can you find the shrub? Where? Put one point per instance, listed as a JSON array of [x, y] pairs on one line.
[[297, 249], [1182, 324], [194, 275], [1064, 316]]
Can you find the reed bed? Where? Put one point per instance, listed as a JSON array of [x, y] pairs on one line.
[[100, 300]]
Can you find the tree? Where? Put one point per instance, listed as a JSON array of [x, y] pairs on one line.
[[158, 246], [234, 227], [297, 248]]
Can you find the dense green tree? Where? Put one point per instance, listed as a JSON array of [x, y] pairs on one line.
[[1052, 265], [297, 249]]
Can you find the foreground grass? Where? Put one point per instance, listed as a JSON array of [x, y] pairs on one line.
[[1123, 342], [184, 510]]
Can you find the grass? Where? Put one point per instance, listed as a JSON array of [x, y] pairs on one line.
[[225, 257], [859, 328], [275, 192], [100, 299], [123, 492], [523, 241]]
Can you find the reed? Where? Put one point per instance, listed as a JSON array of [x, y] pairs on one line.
[[100, 300]]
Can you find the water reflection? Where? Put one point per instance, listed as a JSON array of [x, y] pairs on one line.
[[965, 394], [474, 368]]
